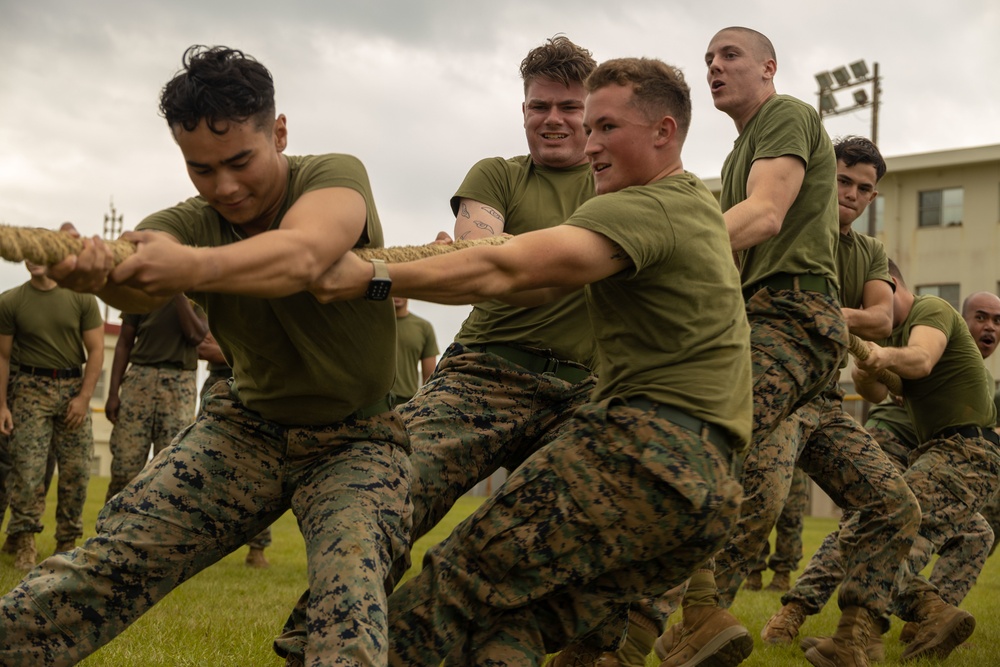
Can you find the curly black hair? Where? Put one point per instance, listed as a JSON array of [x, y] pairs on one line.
[[220, 85]]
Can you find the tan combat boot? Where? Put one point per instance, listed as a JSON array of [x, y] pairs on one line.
[[875, 648], [255, 558], [709, 635], [781, 582], [753, 582], [908, 632], [848, 645], [784, 626], [638, 645], [25, 554], [944, 627]]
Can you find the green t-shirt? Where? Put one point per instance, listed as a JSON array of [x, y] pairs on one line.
[[860, 259], [48, 325], [415, 340], [897, 419], [675, 329], [530, 197], [160, 339], [959, 390], [807, 241], [296, 361]]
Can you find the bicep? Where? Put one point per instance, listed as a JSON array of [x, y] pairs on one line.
[[328, 222], [476, 220], [6, 346], [932, 342], [93, 340], [776, 181]]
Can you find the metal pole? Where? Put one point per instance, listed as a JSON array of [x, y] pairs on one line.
[[875, 101]]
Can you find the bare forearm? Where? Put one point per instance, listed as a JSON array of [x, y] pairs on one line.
[[910, 362], [868, 324]]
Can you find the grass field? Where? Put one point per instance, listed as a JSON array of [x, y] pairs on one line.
[[228, 615]]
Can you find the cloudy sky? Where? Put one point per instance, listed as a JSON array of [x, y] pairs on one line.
[[421, 90]]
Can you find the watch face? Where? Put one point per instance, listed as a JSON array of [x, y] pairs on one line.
[[378, 289]]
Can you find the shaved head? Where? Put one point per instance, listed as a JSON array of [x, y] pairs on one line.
[[762, 46], [982, 313]]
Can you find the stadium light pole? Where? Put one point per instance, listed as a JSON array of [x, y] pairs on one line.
[[112, 230], [857, 78]]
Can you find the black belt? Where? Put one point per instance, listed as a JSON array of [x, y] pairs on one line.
[[706, 430], [168, 365], [537, 362], [968, 432], [383, 404], [54, 373], [792, 281]]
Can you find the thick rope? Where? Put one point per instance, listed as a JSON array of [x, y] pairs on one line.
[[860, 351], [45, 246]]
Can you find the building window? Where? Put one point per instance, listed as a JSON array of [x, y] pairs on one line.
[[947, 291], [941, 208]]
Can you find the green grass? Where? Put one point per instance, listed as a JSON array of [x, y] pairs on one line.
[[229, 614]]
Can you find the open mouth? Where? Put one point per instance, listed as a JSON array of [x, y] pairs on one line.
[[553, 136]]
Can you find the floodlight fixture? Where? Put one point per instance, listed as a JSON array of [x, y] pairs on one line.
[[861, 97], [841, 75], [827, 102], [824, 80], [859, 69]]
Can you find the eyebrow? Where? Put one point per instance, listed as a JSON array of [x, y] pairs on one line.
[[229, 160]]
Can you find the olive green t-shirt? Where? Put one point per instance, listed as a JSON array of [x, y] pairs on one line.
[[673, 330], [860, 259], [530, 197], [160, 339], [897, 419], [807, 241], [959, 390], [415, 340], [296, 361], [48, 325]]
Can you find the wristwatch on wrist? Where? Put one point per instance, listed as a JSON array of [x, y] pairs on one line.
[[381, 283]]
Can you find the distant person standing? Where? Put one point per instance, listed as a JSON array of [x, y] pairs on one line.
[[151, 401], [57, 331], [416, 346]]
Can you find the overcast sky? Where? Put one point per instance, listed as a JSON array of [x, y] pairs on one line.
[[421, 90]]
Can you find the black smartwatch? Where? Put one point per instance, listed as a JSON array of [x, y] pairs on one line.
[[378, 288]]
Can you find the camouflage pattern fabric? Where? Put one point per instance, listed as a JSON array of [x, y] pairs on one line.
[[568, 532], [5, 462], [797, 341], [477, 413], [953, 477], [156, 404], [848, 464], [961, 557], [38, 410], [227, 477], [991, 514], [788, 530]]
